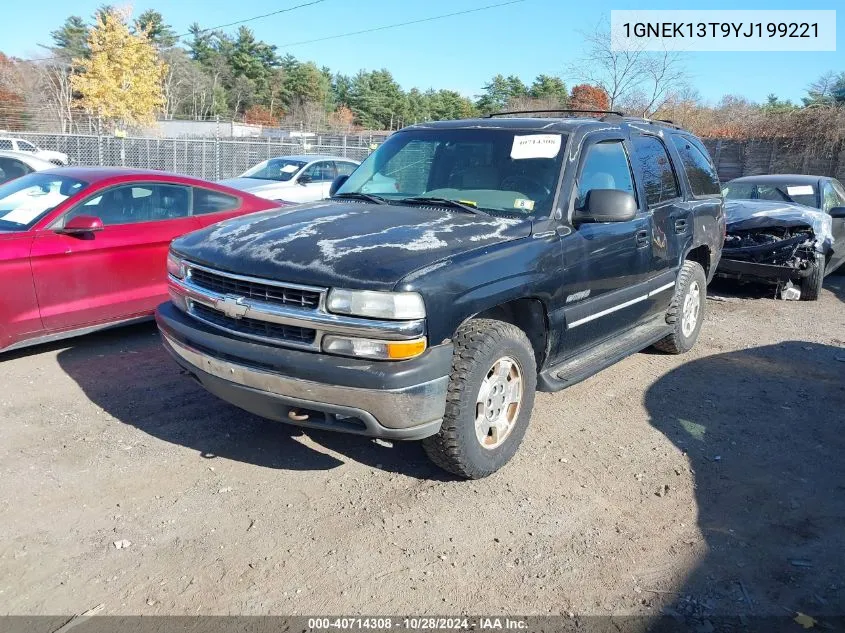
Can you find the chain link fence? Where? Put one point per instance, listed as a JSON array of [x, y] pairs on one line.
[[216, 158], [208, 158]]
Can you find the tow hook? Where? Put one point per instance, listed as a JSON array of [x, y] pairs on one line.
[[297, 416]]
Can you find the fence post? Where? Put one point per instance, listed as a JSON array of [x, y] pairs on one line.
[[99, 141], [217, 147], [344, 146], [268, 148]]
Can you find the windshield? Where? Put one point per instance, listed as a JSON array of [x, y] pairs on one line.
[[489, 169], [27, 199], [282, 169], [806, 195]]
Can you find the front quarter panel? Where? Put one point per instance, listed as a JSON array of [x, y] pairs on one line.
[[19, 315], [459, 287]]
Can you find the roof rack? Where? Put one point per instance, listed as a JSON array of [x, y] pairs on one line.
[[568, 111], [665, 122]]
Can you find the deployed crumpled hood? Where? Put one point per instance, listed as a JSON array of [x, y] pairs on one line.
[[343, 243], [256, 186], [742, 215]]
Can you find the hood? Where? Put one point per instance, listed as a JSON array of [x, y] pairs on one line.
[[47, 154], [255, 185], [344, 244], [745, 215]]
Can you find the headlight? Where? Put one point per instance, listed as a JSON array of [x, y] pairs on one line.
[[376, 304], [175, 266], [369, 348]]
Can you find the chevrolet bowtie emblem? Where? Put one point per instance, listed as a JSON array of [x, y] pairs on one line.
[[232, 306]]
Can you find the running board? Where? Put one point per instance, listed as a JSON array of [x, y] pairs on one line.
[[592, 361]]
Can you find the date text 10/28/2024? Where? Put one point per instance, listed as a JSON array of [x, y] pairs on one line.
[[421, 623]]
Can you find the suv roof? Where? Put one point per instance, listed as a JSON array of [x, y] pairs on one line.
[[558, 124]]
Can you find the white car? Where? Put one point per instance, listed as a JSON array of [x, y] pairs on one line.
[[16, 164], [297, 179], [11, 144]]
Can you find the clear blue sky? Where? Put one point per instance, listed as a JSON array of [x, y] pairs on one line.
[[459, 53]]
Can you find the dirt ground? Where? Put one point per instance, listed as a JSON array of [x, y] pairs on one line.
[[704, 484]]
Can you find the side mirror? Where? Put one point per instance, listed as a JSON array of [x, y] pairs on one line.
[[337, 183], [303, 179], [837, 212], [606, 205], [81, 224]]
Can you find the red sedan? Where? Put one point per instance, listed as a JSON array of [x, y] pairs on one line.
[[82, 249]]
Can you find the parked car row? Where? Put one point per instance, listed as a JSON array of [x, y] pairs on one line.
[[462, 266], [12, 144]]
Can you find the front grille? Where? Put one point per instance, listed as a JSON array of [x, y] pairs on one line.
[[254, 327], [283, 295]]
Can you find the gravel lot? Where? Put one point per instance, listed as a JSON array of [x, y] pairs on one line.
[[710, 483]]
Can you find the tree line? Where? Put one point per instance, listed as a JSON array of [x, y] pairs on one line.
[[127, 72]]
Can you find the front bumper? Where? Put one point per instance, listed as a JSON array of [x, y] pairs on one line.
[[402, 400], [739, 269]]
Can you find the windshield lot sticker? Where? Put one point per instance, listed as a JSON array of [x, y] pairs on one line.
[[287, 169], [800, 190], [522, 203], [535, 146]]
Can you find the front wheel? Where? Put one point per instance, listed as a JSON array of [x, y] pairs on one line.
[[811, 285], [489, 401], [686, 311]]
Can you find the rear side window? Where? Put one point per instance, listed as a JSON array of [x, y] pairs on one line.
[[6, 143], [605, 167], [659, 179], [206, 201], [703, 179], [344, 169]]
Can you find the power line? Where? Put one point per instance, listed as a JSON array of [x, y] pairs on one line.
[[213, 28], [393, 26]]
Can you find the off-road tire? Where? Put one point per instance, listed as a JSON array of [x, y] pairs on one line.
[[811, 285], [478, 346], [677, 342]]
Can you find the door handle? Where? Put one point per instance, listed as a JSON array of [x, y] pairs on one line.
[[680, 226], [642, 238]]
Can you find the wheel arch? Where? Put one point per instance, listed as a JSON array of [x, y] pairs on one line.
[[529, 314]]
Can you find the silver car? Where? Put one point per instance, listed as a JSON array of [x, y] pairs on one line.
[[16, 164], [304, 178]]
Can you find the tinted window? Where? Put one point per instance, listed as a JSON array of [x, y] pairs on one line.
[[605, 167], [702, 176], [321, 172], [344, 169], [5, 143], [26, 147], [206, 201], [658, 176], [11, 168], [137, 203]]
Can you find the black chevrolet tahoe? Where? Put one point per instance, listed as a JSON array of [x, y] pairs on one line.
[[461, 267]]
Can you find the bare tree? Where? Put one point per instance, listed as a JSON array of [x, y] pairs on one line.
[[55, 90], [642, 80]]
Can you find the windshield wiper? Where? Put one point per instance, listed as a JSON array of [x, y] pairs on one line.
[[786, 197], [354, 195], [469, 207]]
